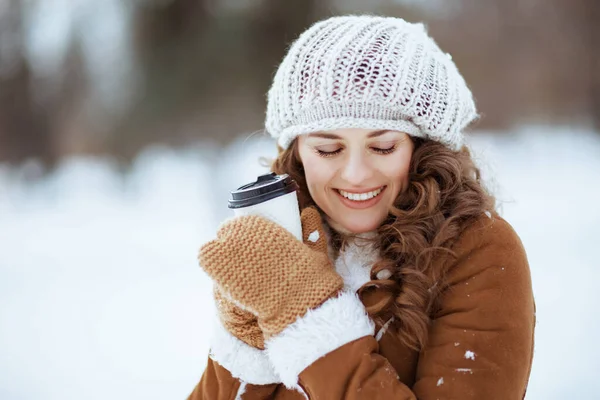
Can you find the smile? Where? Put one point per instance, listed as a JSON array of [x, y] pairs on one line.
[[361, 196]]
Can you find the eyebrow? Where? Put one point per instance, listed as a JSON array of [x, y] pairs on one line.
[[332, 136]]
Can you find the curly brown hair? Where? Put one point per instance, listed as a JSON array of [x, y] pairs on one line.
[[444, 195]]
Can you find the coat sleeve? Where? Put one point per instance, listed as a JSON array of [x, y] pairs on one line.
[[235, 370], [480, 341]]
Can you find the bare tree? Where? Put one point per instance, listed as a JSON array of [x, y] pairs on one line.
[[25, 130], [594, 26]]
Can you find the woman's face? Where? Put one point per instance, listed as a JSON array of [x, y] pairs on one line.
[[354, 175]]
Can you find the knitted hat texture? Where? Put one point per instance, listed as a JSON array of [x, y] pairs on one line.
[[368, 72]]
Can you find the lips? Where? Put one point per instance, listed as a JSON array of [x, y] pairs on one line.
[[361, 196], [361, 204]]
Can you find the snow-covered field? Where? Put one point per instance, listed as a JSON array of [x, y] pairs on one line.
[[101, 296]]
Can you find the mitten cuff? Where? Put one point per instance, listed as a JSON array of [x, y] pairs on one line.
[[243, 361], [338, 321]]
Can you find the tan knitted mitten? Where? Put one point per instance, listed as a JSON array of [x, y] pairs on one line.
[[264, 267], [240, 323]]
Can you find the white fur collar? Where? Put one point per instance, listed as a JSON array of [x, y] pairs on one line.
[[355, 262], [354, 265], [338, 321]]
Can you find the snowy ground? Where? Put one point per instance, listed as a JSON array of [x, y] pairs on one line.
[[101, 296]]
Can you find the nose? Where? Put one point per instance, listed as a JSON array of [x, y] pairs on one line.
[[357, 170]]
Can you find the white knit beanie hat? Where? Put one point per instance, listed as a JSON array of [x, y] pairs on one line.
[[368, 72]]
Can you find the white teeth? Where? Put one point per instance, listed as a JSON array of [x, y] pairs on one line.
[[360, 196]]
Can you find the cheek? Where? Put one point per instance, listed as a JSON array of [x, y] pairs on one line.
[[318, 173], [398, 171]]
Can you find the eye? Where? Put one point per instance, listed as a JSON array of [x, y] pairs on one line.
[[384, 151], [328, 153], [378, 150]]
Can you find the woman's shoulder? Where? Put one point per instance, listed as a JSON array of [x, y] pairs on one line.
[[488, 244], [491, 231]]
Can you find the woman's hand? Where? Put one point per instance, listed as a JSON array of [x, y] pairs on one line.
[[240, 323], [262, 266]]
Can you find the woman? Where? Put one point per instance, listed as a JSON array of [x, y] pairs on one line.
[[408, 285]]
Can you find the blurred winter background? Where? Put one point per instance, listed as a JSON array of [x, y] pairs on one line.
[[123, 124]]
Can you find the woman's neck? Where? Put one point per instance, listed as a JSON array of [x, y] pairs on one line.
[[348, 235], [340, 239]]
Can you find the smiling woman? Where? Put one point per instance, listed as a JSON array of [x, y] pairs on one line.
[[407, 284], [355, 175]]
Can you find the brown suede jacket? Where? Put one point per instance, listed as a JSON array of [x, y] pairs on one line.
[[480, 342]]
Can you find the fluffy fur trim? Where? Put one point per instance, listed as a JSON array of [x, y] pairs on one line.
[[245, 362], [241, 391], [354, 263], [338, 321]]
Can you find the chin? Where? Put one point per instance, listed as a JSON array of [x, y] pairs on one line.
[[354, 227]]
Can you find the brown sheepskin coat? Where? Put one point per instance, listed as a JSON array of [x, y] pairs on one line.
[[480, 342]]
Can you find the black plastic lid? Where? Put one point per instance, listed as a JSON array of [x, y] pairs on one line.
[[266, 187]]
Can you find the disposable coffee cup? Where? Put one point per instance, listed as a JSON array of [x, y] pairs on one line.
[[272, 196]]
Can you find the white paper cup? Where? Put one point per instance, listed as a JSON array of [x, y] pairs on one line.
[[273, 197]]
